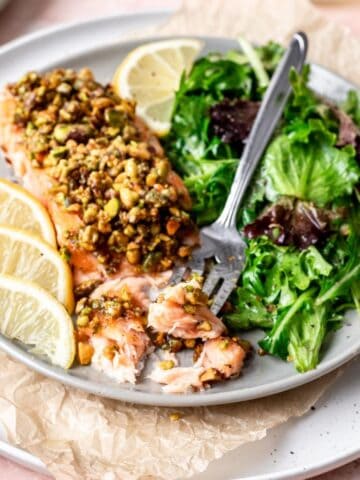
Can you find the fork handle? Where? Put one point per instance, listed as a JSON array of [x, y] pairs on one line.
[[266, 120]]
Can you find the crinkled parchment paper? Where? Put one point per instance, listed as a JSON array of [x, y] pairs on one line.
[[80, 436]]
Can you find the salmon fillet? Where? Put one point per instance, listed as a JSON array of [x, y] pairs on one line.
[[42, 182], [121, 216]]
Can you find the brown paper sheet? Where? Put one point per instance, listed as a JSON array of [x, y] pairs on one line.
[[80, 436]]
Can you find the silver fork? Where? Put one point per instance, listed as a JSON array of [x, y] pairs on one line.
[[221, 240]]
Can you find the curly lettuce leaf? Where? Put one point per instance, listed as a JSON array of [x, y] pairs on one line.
[[270, 55], [277, 274], [306, 164], [219, 77], [208, 187], [272, 280], [299, 333], [250, 313]]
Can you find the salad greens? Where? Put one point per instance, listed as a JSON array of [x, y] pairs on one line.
[[301, 214], [206, 163], [311, 167], [304, 161]]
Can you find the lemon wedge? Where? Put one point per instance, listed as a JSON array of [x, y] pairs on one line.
[[30, 314], [26, 256], [20, 209], [151, 73]]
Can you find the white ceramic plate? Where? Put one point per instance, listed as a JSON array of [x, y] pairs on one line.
[[264, 375]]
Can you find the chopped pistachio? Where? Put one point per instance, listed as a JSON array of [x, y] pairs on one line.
[[128, 197], [89, 235], [80, 305], [124, 294], [64, 88], [115, 118], [61, 132], [59, 152], [134, 214], [151, 178], [191, 309], [91, 212], [205, 325], [133, 254], [166, 364], [163, 168], [223, 345], [190, 343], [131, 168], [82, 320], [105, 169], [151, 260], [65, 254], [129, 231], [172, 226], [85, 353], [175, 416], [112, 207], [210, 375]]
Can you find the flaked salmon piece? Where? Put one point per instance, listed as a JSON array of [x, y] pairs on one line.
[[141, 288], [224, 355], [221, 358], [178, 379], [120, 349], [175, 315]]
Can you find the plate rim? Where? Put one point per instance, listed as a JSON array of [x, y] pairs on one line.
[[147, 398]]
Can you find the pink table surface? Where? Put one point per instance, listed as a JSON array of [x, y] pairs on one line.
[[21, 17]]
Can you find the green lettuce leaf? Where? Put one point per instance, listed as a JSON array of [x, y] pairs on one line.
[[306, 164], [208, 187], [306, 336], [250, 313], [274, 276]]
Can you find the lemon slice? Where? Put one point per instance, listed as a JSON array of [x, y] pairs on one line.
[[26, 256], [20, 209], [151, 74], [30, 314]]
